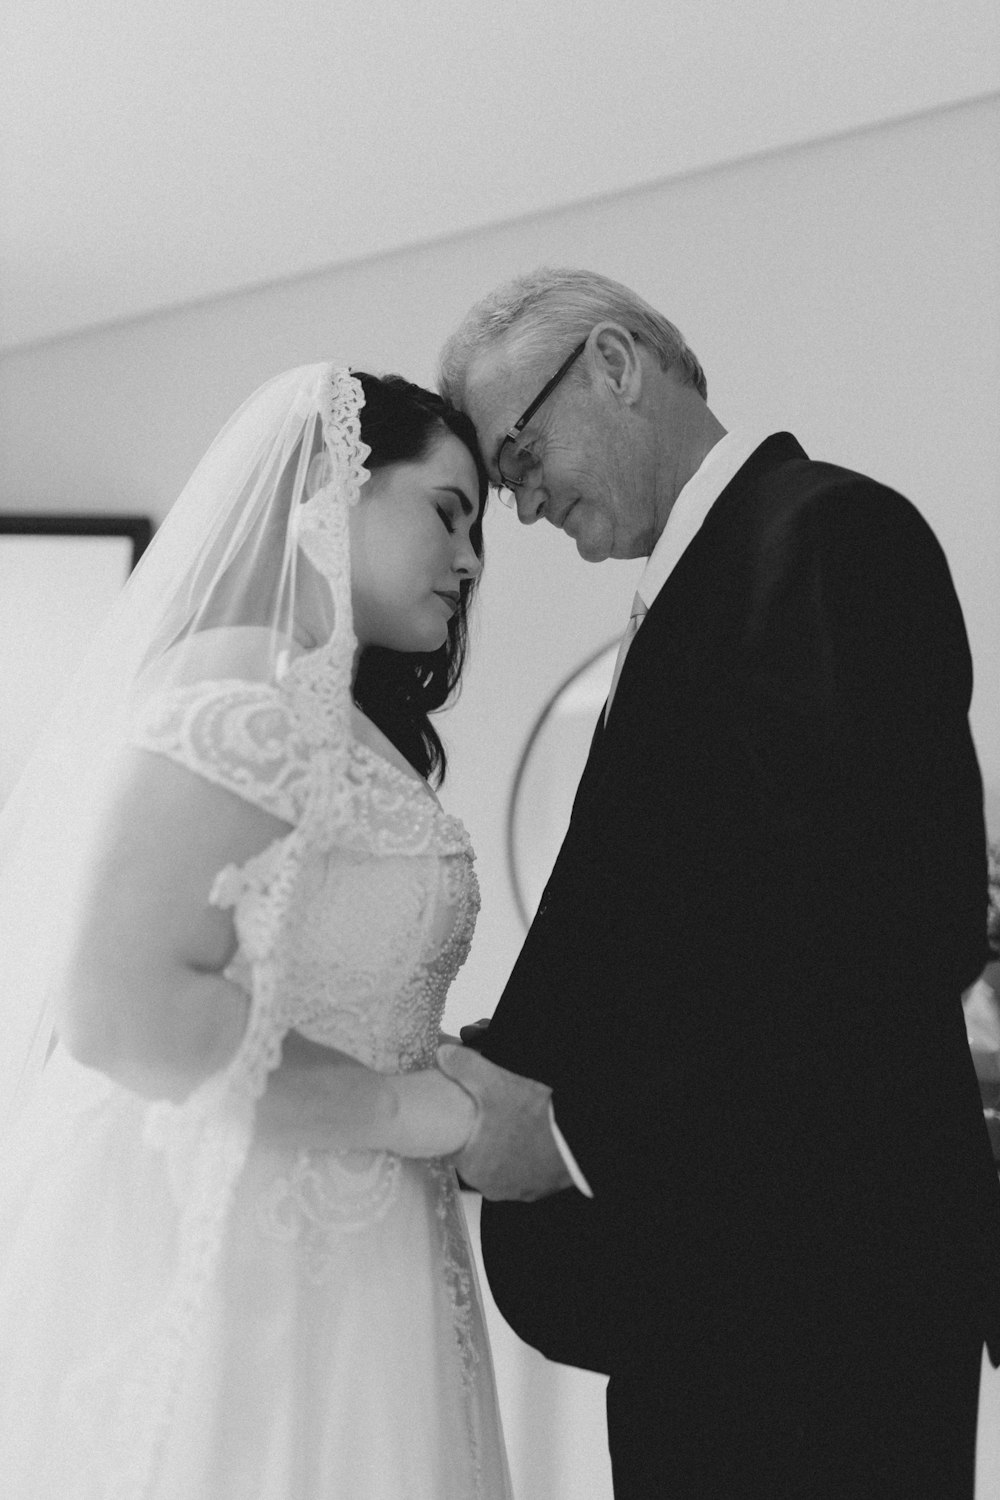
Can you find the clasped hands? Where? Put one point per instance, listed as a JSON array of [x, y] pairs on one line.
[[511, 1152]]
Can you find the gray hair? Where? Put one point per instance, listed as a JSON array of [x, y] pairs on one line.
[[552, 309]]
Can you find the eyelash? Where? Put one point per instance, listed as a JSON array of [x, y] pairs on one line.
[[449, 524]]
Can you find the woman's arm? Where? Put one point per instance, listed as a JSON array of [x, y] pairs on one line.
[[143, 997], [318, 1097]]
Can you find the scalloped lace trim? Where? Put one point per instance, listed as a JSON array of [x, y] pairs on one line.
[[238, 735]]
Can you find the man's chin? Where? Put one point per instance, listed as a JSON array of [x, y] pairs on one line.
[[591, 550], [594, 543]]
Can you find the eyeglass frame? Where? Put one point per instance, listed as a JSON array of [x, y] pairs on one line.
[[513, 433]]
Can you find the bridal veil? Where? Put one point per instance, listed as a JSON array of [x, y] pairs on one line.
[[247, 579]]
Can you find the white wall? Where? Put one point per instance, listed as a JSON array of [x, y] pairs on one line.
[[265, 140], [848, 290]]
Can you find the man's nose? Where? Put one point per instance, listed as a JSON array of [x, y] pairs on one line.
[[530, 499]]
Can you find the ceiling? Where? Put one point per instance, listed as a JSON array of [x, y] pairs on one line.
[[153, 155]]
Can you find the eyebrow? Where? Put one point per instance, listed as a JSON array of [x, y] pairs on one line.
[[468, 508]]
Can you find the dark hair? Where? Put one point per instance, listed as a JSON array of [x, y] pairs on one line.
[[398, 690]]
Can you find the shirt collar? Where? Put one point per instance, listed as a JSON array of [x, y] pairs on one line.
[[720, 465]]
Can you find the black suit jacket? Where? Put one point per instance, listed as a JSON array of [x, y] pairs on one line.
[[743, 981]]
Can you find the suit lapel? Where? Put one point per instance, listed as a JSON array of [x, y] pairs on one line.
[[592, 763], [659, 643]]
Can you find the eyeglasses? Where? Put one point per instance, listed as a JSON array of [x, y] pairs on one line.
[[512, 463]]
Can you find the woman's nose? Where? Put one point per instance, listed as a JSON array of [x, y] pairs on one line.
[[467, 562]]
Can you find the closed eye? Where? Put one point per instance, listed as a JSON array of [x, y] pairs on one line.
[[449, 524]]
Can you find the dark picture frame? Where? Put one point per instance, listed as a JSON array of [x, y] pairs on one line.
[[138, 528]]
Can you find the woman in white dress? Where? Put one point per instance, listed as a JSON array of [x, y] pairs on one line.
[[233, 1258]]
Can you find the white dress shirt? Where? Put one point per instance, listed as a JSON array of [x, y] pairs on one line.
[[720, 465]]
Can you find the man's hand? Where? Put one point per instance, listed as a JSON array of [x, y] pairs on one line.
[[511, 1152], [474, 1035]]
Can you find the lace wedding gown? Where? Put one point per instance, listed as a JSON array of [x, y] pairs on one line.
[[188, 1313]]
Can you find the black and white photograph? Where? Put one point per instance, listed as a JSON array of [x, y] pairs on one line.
[[499, 751]]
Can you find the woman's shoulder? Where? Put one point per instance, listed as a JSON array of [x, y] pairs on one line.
[[249, 654], [214, 707]]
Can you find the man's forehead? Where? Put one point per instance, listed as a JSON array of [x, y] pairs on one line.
[[497, 389]]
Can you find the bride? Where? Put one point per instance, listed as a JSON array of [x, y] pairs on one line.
[[233, 1258]]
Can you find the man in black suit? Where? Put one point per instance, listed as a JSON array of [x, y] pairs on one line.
[[729, 1124]]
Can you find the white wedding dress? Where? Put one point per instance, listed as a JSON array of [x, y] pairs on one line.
[[187, 1313]]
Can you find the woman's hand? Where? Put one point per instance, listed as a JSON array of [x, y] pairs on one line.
[[323, 1099], [435, 1117]]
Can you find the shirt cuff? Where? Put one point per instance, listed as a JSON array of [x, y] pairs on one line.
[[570, 1160]]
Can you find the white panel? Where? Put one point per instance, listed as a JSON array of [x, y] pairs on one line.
[[54, 593]]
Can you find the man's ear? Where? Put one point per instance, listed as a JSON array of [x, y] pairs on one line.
[[614, 358]]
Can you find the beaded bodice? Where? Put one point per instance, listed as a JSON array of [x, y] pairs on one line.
[[366, 928], [378, 924]]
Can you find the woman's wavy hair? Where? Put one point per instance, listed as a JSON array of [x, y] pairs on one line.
[[399, 690]]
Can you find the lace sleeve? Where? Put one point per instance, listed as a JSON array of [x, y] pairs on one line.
[[239, 735]]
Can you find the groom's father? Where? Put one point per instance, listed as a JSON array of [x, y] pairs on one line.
[[741, 993]]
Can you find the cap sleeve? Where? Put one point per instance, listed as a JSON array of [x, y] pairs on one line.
[[238, 735]]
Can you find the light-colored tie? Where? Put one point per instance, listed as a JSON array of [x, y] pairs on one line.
[[635, 619]]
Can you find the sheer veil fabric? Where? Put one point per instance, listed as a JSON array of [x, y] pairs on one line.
[[248, 580], [242, 602], [189, 1306]]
